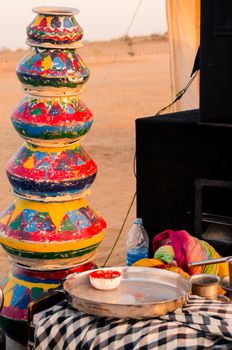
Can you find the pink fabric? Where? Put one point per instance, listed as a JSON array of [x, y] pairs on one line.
[[187, 249]]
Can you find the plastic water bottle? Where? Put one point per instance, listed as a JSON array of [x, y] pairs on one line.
[[137, 243]]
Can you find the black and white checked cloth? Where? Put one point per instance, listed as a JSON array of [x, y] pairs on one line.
[[201, 324]]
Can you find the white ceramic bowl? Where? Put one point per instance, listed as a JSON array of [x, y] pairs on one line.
[[105, 279]]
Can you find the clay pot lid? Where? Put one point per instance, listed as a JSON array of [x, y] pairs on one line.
[[56, 11]]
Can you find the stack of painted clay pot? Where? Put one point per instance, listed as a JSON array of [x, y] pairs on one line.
[[49, 231]]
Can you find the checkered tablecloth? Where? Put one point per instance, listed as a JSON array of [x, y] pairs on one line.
[[201, 324]]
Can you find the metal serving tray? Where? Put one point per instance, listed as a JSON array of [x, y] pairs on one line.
[[143, 292]]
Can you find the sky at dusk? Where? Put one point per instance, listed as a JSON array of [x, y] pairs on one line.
[[100, 19]]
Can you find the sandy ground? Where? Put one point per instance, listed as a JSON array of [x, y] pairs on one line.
[[128, 80]]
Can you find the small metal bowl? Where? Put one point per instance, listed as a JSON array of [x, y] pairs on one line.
[[222, 298], [205, 285], [1, 299], [225, 283]]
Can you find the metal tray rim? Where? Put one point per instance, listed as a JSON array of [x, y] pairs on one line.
[[137, 305]]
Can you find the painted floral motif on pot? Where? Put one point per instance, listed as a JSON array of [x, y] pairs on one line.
[[35, 233], [58, 120], [53, 68], [21, 287], [55, 27], [40, 172]]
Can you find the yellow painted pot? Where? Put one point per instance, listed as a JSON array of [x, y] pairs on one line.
[[51, 235]]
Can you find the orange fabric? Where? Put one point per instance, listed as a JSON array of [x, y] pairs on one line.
[[157, 263]]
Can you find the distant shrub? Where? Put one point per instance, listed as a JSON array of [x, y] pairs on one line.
[[128, 40], [159, 37], [5, 50]]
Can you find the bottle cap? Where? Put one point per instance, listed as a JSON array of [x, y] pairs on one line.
[[138, 221]]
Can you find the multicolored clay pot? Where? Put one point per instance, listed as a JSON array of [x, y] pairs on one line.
[[56, 26], [50, 226], [44, 235], [23, 286], [42, 71], [46, 121], [38, 172]]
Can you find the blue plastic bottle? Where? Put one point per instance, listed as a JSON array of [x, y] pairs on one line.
[[137, 243]]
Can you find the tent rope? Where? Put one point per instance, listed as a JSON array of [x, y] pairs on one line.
[[96, 100], [178, 96], [118, 51], [121, 229]]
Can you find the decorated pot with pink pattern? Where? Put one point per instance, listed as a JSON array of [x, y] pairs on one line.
[[52, 121], [48, 173]]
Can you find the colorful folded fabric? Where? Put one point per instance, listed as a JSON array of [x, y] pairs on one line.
[[179, 248]]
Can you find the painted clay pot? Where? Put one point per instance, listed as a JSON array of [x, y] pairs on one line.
[[54, 27], [56, 121], [20, 288], [51, 235], [49, 173], [51, 72]]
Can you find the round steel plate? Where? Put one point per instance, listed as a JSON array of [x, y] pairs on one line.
[[143, 292]]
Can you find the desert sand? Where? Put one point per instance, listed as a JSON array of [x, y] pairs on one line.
[[129, 79]]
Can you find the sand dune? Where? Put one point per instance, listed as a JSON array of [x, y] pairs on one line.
[[136, 84]]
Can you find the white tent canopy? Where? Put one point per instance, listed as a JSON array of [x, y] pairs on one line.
[[184, 36]]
